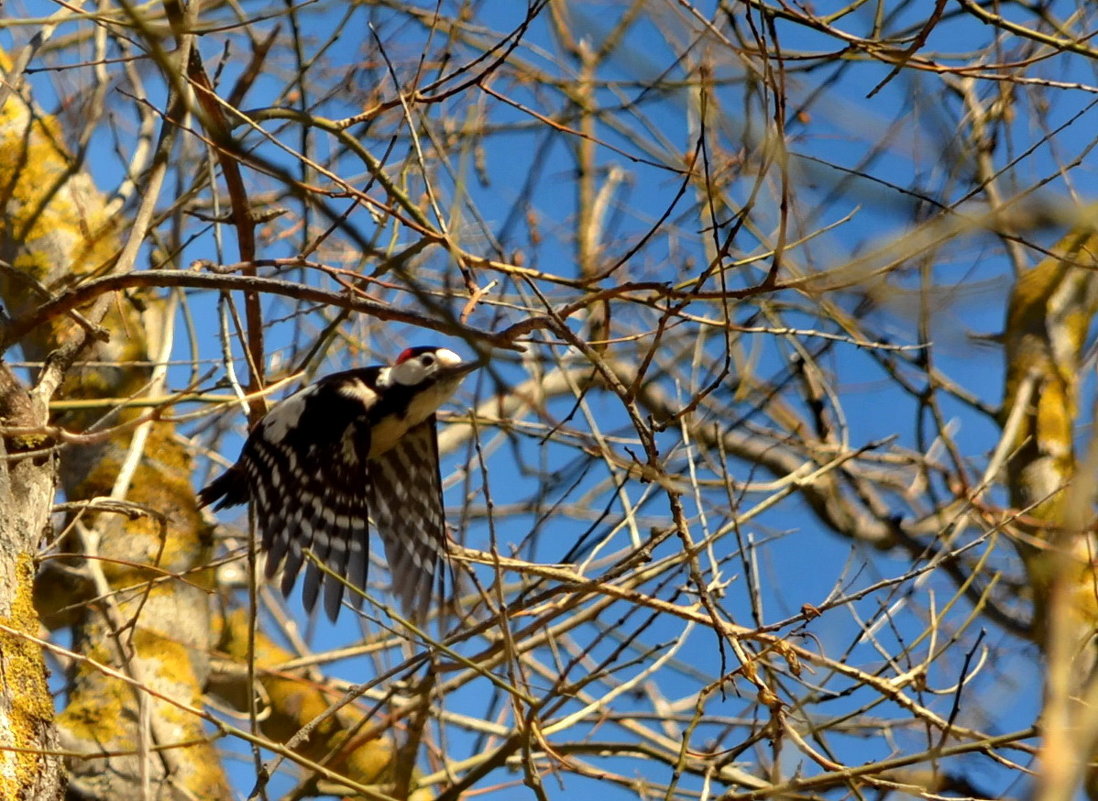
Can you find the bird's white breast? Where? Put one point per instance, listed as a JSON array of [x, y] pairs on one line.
[[385, 434]]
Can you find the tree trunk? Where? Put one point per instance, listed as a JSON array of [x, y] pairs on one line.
[[29, 767], [137, 600], [1050, 313]]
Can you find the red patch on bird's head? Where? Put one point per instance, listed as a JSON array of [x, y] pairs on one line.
[[405, 355]]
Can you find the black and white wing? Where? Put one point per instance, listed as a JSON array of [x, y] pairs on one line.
[[406, 503], [304, 467]]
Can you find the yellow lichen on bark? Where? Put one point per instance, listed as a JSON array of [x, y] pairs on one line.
[[23, 670], [51, 209], [1048, 321], [1046, 330], [150, 619], [347, 743]]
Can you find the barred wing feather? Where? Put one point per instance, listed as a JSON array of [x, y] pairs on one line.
[[406, 502]]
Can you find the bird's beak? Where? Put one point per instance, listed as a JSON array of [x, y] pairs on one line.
[[463, 368]]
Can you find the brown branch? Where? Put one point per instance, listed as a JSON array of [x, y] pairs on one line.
[[89, 290]]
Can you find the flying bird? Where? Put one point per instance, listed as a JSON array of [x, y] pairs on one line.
[[353, 447]]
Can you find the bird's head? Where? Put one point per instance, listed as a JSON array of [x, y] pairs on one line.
[[416, 366]]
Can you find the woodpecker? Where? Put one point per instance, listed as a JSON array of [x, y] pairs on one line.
[[354, 446]]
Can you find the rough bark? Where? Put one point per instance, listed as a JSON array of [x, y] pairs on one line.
[[29, 767], [1048, 319], [138, 609]]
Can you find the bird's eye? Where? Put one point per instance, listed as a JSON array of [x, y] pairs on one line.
[[427, 359]]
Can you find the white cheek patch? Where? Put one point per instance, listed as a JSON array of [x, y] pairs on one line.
[[407, 373], [284, 417]]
